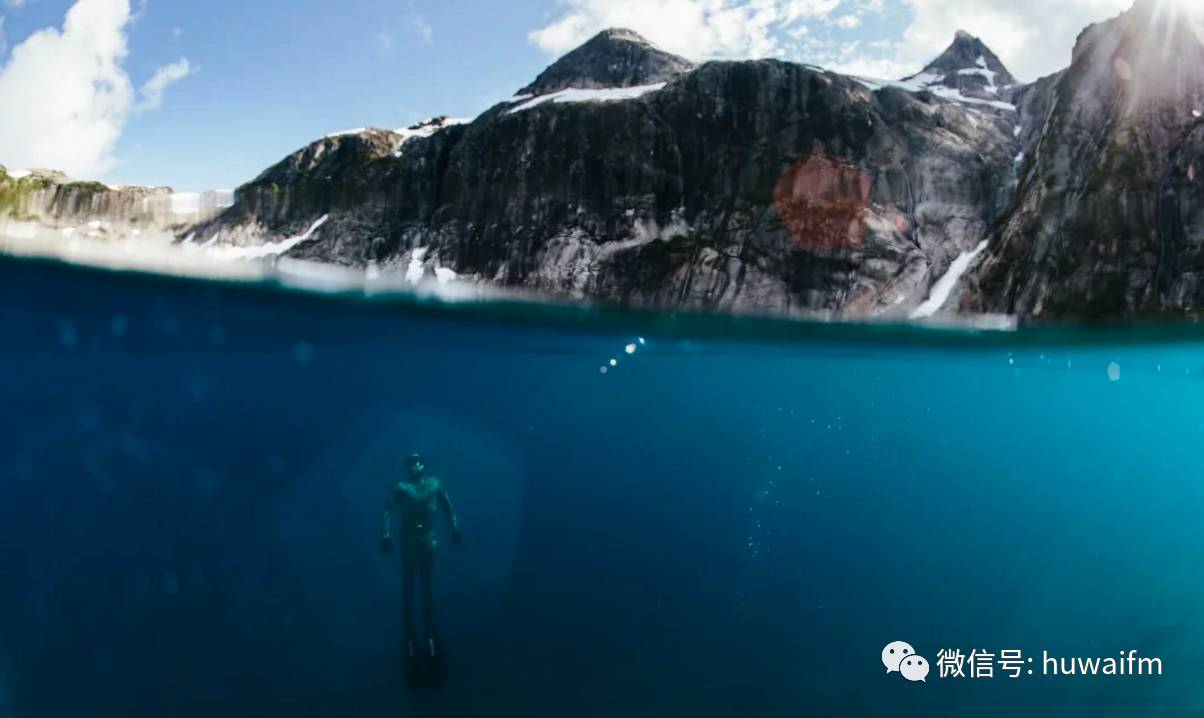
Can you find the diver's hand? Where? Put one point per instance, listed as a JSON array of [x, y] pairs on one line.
[[457, 537], [386, 545]]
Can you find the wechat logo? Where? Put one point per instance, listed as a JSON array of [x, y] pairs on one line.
[[901, 658]]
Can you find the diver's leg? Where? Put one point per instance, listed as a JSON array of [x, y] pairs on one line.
[[434, 650], [412, 644], [409, 575], [427, 566]]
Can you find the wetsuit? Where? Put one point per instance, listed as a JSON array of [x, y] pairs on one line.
[[416, 503]]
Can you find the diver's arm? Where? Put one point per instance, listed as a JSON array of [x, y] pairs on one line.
[[450, 512], [386, 528]]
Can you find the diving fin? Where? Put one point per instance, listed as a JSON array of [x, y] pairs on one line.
[[435, 666], [415, 665]]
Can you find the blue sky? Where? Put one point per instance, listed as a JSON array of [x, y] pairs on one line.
[[241, 83]]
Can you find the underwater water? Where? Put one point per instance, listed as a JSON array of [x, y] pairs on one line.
[[734, 520]]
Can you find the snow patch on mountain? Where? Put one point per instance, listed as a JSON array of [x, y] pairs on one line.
[[414, 270], [263, 251], [426, 129], [573, 94], [930, 82], [944, 286], [985, 74]]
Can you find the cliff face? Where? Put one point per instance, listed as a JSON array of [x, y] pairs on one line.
[[735, 185], [50, 202], [1108, 221]]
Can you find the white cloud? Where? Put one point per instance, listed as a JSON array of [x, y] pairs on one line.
[[697, 29], [66, 95], [848, 22], [856, 61], [423, 29], [384, 43], [164, 77], [1033, 37]]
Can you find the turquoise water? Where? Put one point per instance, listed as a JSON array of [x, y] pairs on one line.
[[734, 520]]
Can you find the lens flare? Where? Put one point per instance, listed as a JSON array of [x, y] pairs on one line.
[[1182, 8]]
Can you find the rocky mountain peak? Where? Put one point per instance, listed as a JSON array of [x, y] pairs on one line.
[[622, 34], [612, 58], [969, 67]]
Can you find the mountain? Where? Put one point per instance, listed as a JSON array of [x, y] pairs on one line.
[[613, 58], [43, 202], [969, 68], [628, 175], [1108, 221], [752, 186]]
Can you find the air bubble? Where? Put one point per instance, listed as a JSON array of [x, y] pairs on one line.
[[68, 337], [303, 352]]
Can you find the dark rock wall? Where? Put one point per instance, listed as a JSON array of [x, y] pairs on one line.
[[699, 194]]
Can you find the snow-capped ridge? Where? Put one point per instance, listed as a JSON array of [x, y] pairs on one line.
[[934, 84], [425, 128], [572, 95], [967, 70]]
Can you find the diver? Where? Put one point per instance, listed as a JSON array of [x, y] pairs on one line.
[[416, 499]]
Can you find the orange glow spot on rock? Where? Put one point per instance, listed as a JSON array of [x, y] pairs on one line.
[[822, 201]]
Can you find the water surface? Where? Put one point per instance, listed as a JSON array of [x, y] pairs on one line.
[[732, 521]]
